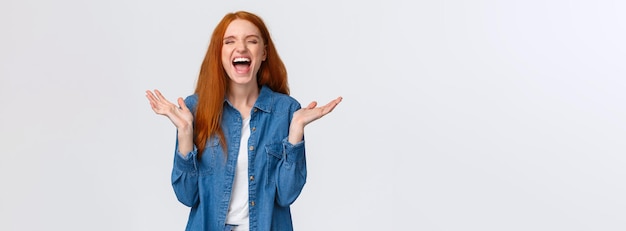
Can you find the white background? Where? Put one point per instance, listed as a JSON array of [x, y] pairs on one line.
[[457, 115]]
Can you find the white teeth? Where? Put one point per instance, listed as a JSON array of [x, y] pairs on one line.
[[241, 60]]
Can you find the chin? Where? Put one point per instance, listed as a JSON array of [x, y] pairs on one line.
[[242, 80]]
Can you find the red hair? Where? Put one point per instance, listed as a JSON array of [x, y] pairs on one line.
[[213, 82]]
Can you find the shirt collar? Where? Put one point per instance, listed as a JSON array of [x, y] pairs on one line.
[[263, 102]]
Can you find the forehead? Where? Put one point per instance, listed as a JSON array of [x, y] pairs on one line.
[[241, 28]]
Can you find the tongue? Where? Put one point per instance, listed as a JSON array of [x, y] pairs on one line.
[[242, 68]]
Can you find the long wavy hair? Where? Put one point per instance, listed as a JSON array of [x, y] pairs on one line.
[[213, 82]]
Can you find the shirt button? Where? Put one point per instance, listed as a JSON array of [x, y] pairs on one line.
[[255, 110], [252, 203], [251, 178], [253, 128], [251, 148]]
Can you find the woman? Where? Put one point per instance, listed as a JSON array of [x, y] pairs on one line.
[[239, 161]]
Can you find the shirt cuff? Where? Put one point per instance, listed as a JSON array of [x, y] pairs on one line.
[[188, 162], [293, 152]]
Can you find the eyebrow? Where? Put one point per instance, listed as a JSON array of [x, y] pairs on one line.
[[247, 36]]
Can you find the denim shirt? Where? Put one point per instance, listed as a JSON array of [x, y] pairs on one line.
[[276, 168]]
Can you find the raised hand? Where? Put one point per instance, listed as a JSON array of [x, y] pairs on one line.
[[311, 113], [180, 115], [307, 115]]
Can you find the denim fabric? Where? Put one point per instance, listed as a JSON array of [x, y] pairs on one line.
[[276, 171]]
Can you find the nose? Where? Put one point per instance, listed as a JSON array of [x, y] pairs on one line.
[[241, 47]]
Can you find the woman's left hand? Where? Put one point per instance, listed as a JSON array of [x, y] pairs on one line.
[[307, 115], [311, 113]]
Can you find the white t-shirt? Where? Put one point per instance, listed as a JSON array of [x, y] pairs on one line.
[[238, 208]]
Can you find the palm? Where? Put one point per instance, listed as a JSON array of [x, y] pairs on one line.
[[311, 113], [179, 115]]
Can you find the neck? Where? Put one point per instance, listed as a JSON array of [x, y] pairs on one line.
[[243, 97]]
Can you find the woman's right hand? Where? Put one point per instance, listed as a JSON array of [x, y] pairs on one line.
[[180, 115]]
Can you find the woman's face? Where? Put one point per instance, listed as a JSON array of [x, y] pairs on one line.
[[243, 52]]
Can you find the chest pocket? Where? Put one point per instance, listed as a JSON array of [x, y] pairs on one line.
[[209, 156], [274, 154]]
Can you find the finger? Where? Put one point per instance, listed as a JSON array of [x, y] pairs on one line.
[[155, 108], [312, 105], [163, 101], [153, 101], [159, 95], [339, 99], [334, 101], [153, 105], [182, 105], [331, 105], [150, 96], [328, 108]]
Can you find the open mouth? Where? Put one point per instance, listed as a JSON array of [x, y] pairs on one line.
[[242, 64]]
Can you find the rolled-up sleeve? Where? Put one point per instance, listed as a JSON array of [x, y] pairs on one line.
[[185, 177], [291, 172]]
